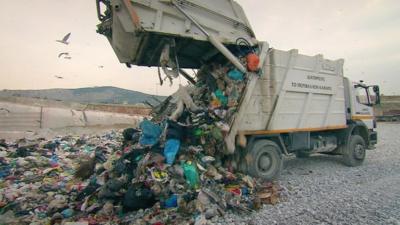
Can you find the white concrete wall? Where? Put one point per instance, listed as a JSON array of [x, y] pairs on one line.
[[19, 117]]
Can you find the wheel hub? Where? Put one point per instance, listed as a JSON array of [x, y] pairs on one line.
[[264, 162], [359, 151]]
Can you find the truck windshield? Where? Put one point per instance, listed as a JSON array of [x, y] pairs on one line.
[[362, 95]]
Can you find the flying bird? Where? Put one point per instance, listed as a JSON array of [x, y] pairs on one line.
[[65, 39], [5, 110], [63, 53], [58, 77]]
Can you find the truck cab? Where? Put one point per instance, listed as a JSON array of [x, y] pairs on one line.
[[360, 100]]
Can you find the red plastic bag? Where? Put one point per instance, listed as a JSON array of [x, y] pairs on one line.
[[252, 62]]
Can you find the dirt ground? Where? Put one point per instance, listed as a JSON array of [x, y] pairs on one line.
[[321, 190]]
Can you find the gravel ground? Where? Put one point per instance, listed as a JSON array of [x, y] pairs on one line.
[[321, 190]]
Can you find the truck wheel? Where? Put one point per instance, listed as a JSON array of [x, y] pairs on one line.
[[354, 152], [302, 154], [264, 160]]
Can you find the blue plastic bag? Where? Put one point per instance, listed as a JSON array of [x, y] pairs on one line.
[[235, 74], [171, 148], [150, 133], [171, 202], [67, 213], [5, 171]]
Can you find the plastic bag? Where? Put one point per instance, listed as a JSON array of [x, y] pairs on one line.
[[171, 149], [150, 133]]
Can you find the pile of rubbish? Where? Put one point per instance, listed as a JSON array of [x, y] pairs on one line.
[[169, 170]]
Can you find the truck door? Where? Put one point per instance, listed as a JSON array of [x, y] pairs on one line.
[[362, 105]]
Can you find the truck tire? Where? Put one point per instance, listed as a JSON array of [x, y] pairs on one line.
[[264, 160], [354, 152]]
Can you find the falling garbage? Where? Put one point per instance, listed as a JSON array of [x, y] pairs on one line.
[[170, 170]]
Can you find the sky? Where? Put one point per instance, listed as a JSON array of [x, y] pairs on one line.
[[365, 33]]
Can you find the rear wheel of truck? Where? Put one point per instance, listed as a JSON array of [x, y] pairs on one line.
[[354, 153], [264, 160]]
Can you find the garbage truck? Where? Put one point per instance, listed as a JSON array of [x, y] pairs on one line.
[[292, 104]]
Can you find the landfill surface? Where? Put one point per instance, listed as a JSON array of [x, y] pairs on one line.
[[171, 169]]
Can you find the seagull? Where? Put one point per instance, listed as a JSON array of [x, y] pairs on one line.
[[58, 77], [5, 110], [65, 39], [63, 53]]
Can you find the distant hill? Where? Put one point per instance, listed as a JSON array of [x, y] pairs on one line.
[[100, 95]]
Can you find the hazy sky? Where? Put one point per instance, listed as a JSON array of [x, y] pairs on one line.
[[366, 33]]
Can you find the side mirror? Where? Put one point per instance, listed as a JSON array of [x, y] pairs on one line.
[[375, 88]]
